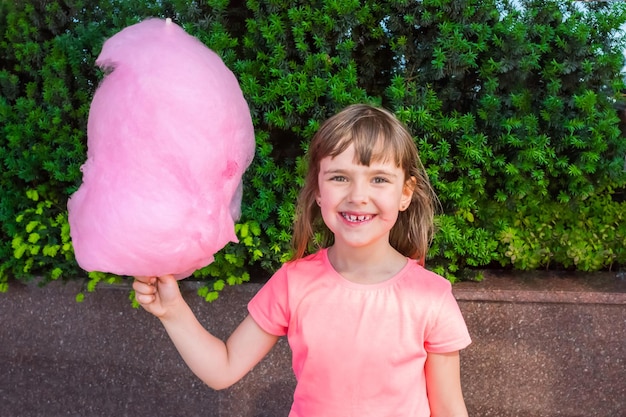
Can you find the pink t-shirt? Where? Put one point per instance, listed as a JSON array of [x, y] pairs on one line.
[[359, 350]]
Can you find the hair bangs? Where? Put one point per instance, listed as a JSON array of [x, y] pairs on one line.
[[373, 141]]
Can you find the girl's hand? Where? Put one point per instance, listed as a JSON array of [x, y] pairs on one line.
[[217, 363], [157, 295]]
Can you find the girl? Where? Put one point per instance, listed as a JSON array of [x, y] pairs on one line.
[[372, 332]]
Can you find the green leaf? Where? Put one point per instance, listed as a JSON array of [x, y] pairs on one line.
[[218, 285], [32, 194]]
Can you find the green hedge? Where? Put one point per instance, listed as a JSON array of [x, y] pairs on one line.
[[513, 107]]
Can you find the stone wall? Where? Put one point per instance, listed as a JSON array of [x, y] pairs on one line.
[[545, 347], [553, 346]]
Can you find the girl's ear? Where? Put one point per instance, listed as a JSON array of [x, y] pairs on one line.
[[407, 193]]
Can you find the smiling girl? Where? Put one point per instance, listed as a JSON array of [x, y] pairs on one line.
[[372, 332]]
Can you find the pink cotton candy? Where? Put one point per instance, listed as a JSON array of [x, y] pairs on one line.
[[169, 138]]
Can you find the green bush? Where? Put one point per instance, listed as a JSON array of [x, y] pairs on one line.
[[512, 105]]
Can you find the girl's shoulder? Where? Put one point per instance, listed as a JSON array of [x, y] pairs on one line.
[[422, 279], [314, 262], [303, 269]]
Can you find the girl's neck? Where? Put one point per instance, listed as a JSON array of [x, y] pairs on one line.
[[366, 265]]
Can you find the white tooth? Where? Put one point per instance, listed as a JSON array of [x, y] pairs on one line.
[[355, 218]]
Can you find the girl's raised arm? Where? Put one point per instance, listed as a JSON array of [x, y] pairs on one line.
[[216, 363], [443, 384]]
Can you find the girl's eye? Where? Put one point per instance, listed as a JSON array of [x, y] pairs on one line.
[[380, 180], [339, 178]]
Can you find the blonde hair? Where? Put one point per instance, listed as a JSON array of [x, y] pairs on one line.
[[377, 135]]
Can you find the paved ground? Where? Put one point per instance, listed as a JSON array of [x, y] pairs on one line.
[[536, 353]]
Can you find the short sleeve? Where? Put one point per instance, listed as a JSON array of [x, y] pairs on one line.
[[270, 306], [448, 331]]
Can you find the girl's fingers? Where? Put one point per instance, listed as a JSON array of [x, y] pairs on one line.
[[147, 280], [144, 293], [143, 288], [144, 298]]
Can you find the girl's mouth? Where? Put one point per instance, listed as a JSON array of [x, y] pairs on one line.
[[356, 218]]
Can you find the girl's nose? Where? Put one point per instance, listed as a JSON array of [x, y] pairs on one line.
[[358, 192]]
